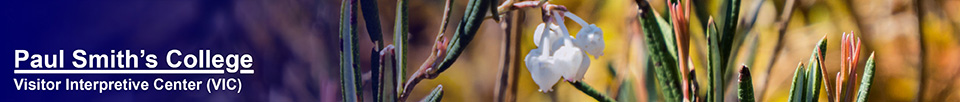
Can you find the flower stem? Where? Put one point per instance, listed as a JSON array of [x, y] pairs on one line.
[[586, 89]]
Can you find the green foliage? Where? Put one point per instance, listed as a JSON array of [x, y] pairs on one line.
[[349, 75], [400, 31], [665, 64], [865, 82], [714, 64], [389, 82], [669, 39], [389, 73], [375, 75], [729, 16], [796, 89], [434, 95], [466, 29], [807, 82], [372, 16], [662, 49], [814, 71], [746, 85]]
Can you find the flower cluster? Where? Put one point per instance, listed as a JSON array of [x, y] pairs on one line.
[[559, 54]]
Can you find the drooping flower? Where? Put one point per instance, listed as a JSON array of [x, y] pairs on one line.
[[539, 70], [590, 36], [560, 55]]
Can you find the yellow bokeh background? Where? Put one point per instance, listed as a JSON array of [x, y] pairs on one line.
[[917, 44]]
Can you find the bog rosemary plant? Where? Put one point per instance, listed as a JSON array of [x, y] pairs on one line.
[[807, 82], [560, 55], [846, 78], [667, 49]]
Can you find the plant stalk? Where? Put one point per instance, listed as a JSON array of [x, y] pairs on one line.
[[586, 89]]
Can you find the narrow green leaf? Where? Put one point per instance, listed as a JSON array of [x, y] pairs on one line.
[[714, 62], [796, 89], [434, 95], [731, 14], [371, 15], [400, 32], [376, 72], [812, 87], [667, 32], [746, 85], [349, 75], [465, 31], [388, 88], [867, 79], [658, 25], [664, 63], [728, 25], [814, 74]]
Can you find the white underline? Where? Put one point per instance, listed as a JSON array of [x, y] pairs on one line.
[[246, 71], [159, 71]]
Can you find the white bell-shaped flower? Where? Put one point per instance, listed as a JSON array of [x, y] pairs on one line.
[[542, 66], [572, 61], [541, 70], [548, 36], [561, 55], [590, 38], [541, 33]]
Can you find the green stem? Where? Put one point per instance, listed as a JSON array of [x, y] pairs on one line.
[[586, 89]]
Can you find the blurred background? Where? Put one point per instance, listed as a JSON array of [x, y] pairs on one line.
[[917, 43]]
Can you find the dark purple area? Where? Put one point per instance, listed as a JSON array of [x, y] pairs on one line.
[[293, 44]]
